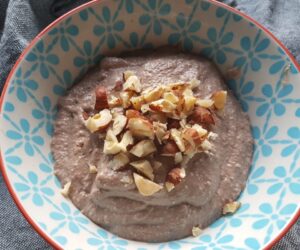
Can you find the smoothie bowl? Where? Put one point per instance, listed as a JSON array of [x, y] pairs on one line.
[[167, 57]]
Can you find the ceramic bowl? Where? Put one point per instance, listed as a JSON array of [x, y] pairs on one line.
[[267, 86]]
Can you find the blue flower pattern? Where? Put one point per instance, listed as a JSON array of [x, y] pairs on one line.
[[68, 217], [23, 84], [89, 58], [263, 138], [217, 43], [136, 43], [24, 136], [185, 32], [154, 18], [273, 217], [64, 33], [31, 187], [219, 242], [104, 240], [42, 57], [252, 52], [280, 61], [272, 100], [284, 179], [294, 143], [64, 83], [109, 28], [46, 114]]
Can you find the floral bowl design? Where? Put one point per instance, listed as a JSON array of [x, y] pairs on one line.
[[267, 87]]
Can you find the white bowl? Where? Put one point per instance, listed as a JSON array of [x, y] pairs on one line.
[[268, 89]]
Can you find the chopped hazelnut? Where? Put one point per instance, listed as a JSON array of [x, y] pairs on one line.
[[92, 169], [178, 87], [127, 74], [188, 92], [66, 189], [144, 167], [206, 145], [119, 124], [153, 95], [169, 149], [132, 84], [169, 186], [211, 135], [145, 108], [192, 136], [114, 102], [131, 113], [99, 122], [169, 96], [116, 111], [120, 160], [195, 83], [176, 136], [231, 207], [111, 144], [143, 148], [127, 139], [196, 231], [158, 117], [205, 103], [219, 99], [137, 102], [162, 105], [182, 123], [176, 175], [201, 131], [160, 130], [125, 97], [141, 128], [144, 186], [178, 157], [101, 98], [202, 116]]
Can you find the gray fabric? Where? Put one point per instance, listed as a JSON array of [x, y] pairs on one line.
[[21, 20]]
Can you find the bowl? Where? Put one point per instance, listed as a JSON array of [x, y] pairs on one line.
[[264, 77]]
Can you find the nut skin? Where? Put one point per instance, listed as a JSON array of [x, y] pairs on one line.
[[157, 117], [170, 148], [131, 113], [172, 123], [118, 85], [194, 135], [85, 115], [155, 107], [101, 98], [175, 176], [202, 116]]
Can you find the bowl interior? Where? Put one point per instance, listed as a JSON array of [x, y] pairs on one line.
[[260, 73]]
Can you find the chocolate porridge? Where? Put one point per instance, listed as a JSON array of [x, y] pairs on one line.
[[152, 146]]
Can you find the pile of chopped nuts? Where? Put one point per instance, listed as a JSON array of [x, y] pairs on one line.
[[140, 124]]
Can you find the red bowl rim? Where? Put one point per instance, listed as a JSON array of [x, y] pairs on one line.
[[51, 25]]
